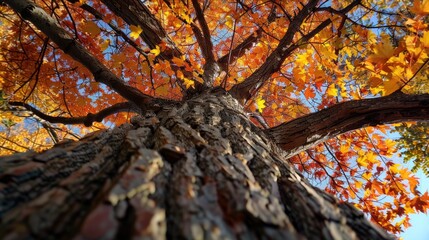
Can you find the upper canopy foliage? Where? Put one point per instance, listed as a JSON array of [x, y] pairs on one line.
[[282, 59]]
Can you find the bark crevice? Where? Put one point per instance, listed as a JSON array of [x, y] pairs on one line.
[[201, 170]]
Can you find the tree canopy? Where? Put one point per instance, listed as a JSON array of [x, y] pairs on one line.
[[310, 73]]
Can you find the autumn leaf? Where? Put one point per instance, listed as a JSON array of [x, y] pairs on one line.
[[162, 90], [156, 51], [382, 52], [375, 81], [420, 7], [105, 45], [260, 103], [425, 39], [391, 86], [188, 82], [118, 59], [79, 3], [180, 74], [332, 90], [91, 28], [367, 175], [229, 21], [309, 93], [135, 31], [179, 61], [145, 67]]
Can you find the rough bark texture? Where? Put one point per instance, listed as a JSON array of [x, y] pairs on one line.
[[199, 171]]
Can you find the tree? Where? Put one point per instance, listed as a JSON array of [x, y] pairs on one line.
[[212, 105]]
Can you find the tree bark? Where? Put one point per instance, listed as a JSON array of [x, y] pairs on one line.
[[302, 133], [198, 171]]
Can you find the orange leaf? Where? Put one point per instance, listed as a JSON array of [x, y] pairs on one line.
[[309, 93], [91, 28]]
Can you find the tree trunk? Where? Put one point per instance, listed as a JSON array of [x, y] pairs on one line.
[[198, 171]]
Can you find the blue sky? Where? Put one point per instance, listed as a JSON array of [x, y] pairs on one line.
[[420, 222]]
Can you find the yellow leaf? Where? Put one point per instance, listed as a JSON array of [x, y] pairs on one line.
[[260, 103], [367, 176], [362, 161], [156, 51], [105, 45], [186, 17], [372, 158], [391, 86], [229, 22], [425, 39], [135, 31], [358, 185], [382, 51], [395, 168], [344, 149], [188, 82], [91, 28], [332, 90], [189, 39]]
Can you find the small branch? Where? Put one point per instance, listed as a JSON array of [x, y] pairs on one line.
[[51, 132], [304, 132], [246, 89], [342, 14], [51, 28], [118, 31], [380, 12], [247, 44], [415, 74], [87, 120]]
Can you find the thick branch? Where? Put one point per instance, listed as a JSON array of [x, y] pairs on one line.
[[207, 48], [244, 90], [98, 15], [49, 26], [134, 12], [87, 120], [304, 132], [211, 68], [240, 49]]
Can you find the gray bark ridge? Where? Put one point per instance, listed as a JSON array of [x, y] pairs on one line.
[[198, 171]]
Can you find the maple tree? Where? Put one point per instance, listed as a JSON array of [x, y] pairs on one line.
[[313, 76]]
